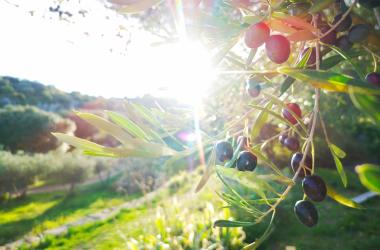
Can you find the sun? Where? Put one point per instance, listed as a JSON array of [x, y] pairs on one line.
[[182, 71]]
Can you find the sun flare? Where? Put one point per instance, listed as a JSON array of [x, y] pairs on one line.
[[180, 70]]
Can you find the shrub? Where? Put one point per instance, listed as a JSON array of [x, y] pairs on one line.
[[28, 128]]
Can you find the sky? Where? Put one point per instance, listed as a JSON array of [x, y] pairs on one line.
[[76, 55]]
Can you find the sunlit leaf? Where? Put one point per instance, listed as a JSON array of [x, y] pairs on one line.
[[330, 81], [261, 119], [297, 22], [339, 168], [368, 104], [337, 151], [128, 125], [280, 26], [229, 223], [105, 126], [208, 170], [301, 35], [369, 175], [342, 199]]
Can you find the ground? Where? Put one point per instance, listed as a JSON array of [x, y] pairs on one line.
[[179, 216]]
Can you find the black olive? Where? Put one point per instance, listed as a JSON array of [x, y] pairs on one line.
[[306, 213], [314, 187]]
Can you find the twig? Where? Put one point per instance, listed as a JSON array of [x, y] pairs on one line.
[[340, 20], [308, 141]]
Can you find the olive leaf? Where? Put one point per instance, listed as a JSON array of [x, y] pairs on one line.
[[229, 223], [342, 199], [338, 154], [369, 175], [330, 81]]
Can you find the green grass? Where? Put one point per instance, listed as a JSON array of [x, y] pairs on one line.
[[339, 227], [180, 219], [176, 218], [38, 212]]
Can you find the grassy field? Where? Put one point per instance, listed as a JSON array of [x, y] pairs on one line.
[[179, 219], [38, 212], [179, 215]]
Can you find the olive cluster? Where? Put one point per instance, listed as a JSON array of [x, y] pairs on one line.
[[313, 186], [277, 47], [246, 161]]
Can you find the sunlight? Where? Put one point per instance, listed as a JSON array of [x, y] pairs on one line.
[[182, 71]]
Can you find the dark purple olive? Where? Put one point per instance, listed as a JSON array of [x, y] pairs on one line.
[[306, 213], [312, 56], [330, 38], [282, 138], [314, 187], [358, 33], [344, 25], [243, 141], [295, 162], [344, 43], [253, 87], [224, 151], [246, 161], [373, 78], [292, 143]]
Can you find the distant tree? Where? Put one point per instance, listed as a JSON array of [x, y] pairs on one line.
[[28, 128], [72, 170]]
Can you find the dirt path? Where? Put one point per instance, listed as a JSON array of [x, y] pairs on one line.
[[99, 216], [66, 187]]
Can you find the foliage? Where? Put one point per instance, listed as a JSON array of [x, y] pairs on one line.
[[22, 92], [142, 176], [19, 171], [73, 170], [28, 128]]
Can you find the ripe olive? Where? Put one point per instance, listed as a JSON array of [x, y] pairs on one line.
[[224, 151], [373, 78], [282, 138], [277, 48], [314, 187], [330, 38], [306, 213], [344, 25], [296, 110], [358, 33], [292, 143], [295, 163], [246, 161], [256, 35], [344, 43]]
